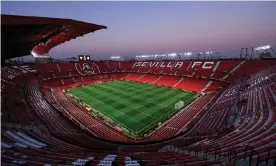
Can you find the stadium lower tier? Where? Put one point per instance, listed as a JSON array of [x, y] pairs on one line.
[[135, 112], [184, 83]]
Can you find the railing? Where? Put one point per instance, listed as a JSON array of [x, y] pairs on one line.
[[251, 152], [248, 153], [217, 152], [24, 126], [268, 156], [232, 155]]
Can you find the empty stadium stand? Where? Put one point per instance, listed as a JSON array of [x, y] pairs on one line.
[[232, 123]]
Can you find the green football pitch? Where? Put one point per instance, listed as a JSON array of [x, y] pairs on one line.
[[137, 107]]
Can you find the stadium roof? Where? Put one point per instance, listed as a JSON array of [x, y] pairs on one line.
[[22, 34]]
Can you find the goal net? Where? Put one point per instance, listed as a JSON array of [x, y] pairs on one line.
[[179, 105]]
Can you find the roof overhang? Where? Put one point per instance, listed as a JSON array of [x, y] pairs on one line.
[[22, 35]]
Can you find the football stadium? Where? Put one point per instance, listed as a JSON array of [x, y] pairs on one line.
[[146, 110]]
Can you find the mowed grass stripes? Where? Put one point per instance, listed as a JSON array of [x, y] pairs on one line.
[[136, 106]]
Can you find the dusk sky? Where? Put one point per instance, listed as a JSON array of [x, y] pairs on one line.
[[135, 28]]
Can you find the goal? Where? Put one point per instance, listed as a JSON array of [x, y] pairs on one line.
[[179, 105]]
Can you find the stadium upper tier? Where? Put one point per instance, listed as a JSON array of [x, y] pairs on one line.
[[225, 70], [234, 114], [37, 35]]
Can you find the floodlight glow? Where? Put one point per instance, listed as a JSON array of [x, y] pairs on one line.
[[209, 52], [143, 56], [162, 55], [172, 54], [188, 53], [35, 55], [262, 48], [115, 57], [158, 55]]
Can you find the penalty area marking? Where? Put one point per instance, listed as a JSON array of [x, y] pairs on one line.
[[180, 110]]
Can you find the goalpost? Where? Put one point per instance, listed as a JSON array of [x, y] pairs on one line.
[[179, 105]]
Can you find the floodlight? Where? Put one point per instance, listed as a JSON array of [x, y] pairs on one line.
[[262, 48], [172, 54], [158, 55], [115, 57], [144, 56], [188, 53], [209, 52]]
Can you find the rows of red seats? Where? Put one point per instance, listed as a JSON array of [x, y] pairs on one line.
[[184, 83], [171, 158], [219, 69], [181, 120], [55, 151], [255, 127]]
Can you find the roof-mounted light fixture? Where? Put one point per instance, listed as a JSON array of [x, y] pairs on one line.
[[262, 48], [115, 57]]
